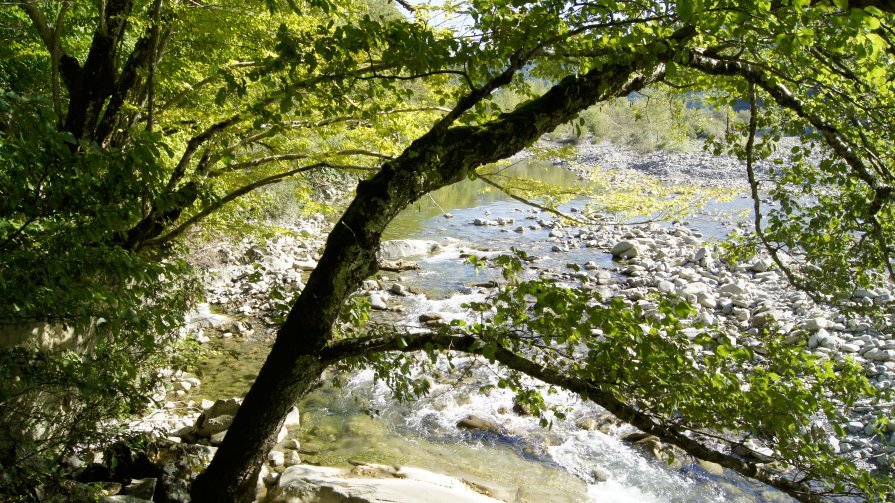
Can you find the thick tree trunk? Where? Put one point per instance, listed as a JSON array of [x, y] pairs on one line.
[[439, 158], [91, 85]]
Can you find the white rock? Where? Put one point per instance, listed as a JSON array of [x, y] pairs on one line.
[[276, 458], [624, 250], [732, 289], [293, 418], [817, 339], [885, 356], [834, 443], [376, 302], [218, 438], [793, 338], [270, 477], [696, 288], [665, 286], [863, 293], [204, 318], [752, 449], [762, 265], [741, 313], [767, 318], [816, 324], [871, 353], [304, 265], [403, 248], [206, 427], [854, 426], [831, 342], [226, 407], [432, 316], [404, 485], [399, 289], [703, 256], [707, 300]]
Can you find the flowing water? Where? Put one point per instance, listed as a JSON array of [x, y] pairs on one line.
[[358, 420]]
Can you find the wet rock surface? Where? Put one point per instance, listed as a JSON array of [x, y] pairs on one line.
[[372, 484]]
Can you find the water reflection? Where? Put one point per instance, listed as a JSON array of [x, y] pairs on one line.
[[470, 194]]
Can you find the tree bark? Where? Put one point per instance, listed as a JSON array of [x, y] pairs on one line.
[[90, 85], [441, 157]]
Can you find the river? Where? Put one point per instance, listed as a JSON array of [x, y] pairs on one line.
[[357, 420]]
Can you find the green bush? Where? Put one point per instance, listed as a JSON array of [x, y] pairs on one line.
[[86, 326]]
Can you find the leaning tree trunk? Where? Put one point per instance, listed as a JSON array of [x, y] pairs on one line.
[[439, 158]]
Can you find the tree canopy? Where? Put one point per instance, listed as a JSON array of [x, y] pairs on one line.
[[124, 123]]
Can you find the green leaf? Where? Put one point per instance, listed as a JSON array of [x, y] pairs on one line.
[[686, 9]]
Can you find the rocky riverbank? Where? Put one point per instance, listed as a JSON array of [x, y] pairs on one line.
[[250, 284], [694, 165]]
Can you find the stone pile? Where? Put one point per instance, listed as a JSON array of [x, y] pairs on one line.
[[743, 299], [251, 275], [696, 165]]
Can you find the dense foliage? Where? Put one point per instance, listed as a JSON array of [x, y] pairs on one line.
[[124, 123]]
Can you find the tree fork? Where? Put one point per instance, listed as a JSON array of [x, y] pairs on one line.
[[438, 158]]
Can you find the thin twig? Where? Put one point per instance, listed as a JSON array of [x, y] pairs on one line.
[[529, 202]]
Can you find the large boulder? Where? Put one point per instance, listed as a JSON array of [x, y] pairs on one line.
[[203, 317], [208, 426], [216, 418], [226, 407], [478, 423], [624, 250], [402, 248], [371, 484]]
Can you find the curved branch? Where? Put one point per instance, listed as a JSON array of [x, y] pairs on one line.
[[669, 433], [293, 157], [40, 22], [785, 98], [517, 60], [438, 158], [838, 142], [756, 199], [344, 118], [230, 197], [529, 202], [407, 6], [153, 58], [56, 55], [50, 36]]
